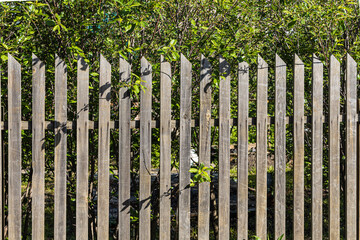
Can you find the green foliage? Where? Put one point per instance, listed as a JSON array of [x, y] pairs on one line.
[[239, 30], [279, 238], [201, 174]]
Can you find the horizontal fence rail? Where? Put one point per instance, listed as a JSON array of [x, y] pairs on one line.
[[211, 205], [251, 121]]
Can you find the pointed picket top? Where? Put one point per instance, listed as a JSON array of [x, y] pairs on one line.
[[104, 64], [243, 68], [261, 63], [146, 67], [243, 64], [144, 61], [350, 64], [36, 62], [297, 60], [184, 60], [334, 62], [103, 61], [224, 66], [317, 60], [123, 61], [57, 58], [221, 58], [105, 78], [34, 57], [279, 62], [59, 61], [125, 70], [162, 59], [81, 64], [13, 61], [203, 59], [205, 74], [205, 64], [350, 60]]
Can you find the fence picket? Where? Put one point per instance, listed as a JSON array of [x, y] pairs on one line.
[[317, 148], [60, 148], [185, 146], [145, 150], [242, 127], [224, 149], [204, 147], [38, 149], [2, 187], [334, 148], [104, 148], [14, 170], [351, 149], [280, 147], [261, 149], [165, 149], [82, 149], [124, 151], [38, 125], [298, 222]]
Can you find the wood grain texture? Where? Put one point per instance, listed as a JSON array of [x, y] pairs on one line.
[[14, 170], [185, 146], [82, 149], [104, 148], [204, 147], [124, 151], [242, 127], [2, 187], [298, 204], [334, 148], [135, 124], [317, 148], [280, 147], [165, 150], [60, 148], [351, 148], [261, 149], [38, 149], [224, 150], [145, 150]]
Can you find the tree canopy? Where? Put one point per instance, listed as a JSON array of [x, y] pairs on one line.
[[238, 30]]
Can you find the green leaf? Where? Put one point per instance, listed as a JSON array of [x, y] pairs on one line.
[[136, 89], [4, 57], [50, 23], [57, 27], [172, 42]]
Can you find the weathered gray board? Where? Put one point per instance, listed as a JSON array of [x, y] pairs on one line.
[[38, 149], [298, 205], [60, 148], [145, 150], [124, 151], [261, 149], [317, 148], [82, 149], [165, 150], [243, 112], [104, 148]]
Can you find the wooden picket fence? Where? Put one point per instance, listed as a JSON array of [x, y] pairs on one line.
[[39, 125]]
